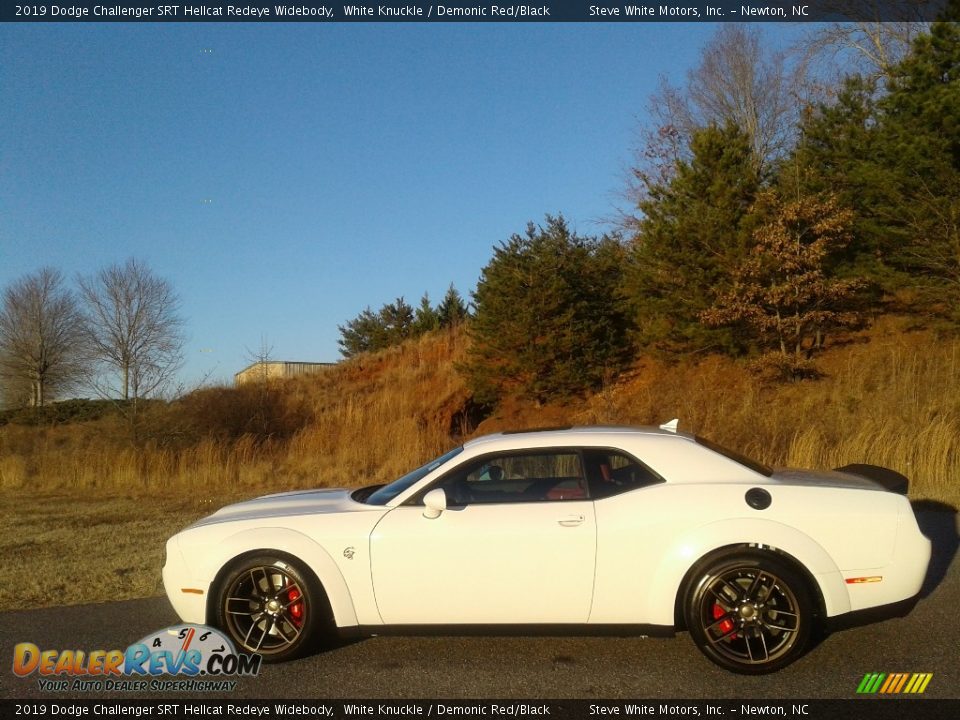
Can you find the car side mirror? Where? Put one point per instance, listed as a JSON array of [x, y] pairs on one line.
[[435, 502]]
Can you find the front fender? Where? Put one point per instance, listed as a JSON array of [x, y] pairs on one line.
[[297, 545], [693, 545]]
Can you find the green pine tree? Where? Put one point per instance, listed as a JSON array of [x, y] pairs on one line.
[[548, 322], [920, 127], [838, 154], [364, 333], [452, 309], [370, 331], [426, 318], [693, 231], [894, 159]]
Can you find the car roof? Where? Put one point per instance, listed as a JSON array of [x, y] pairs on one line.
[[677, 457], [576, 434]]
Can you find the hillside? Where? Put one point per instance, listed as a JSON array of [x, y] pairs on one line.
[[890, 396], [106, 489]]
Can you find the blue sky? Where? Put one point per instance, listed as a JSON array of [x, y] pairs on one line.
[[285, 176]]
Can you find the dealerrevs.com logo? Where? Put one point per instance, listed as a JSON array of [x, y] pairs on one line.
[[200, 654]]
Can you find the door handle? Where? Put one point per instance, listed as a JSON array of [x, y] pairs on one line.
[[571, 520]]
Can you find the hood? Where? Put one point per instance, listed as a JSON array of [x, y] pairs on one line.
[[298, 502], [824, 478]]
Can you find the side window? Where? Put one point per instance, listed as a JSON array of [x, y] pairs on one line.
[[520, 477], [611, 472]]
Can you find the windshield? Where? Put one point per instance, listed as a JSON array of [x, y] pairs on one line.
[[389, 492]]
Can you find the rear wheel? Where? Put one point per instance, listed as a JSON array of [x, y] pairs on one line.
[[750, 612], [270, 606]]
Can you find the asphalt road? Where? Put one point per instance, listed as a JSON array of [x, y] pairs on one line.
[[927, 640]]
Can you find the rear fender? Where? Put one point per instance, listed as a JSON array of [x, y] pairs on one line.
[[683, 554]]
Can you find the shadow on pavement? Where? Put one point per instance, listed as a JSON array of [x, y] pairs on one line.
[[938, 521]]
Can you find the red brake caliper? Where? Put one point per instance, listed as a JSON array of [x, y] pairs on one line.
[[725, 626], [296, 609]]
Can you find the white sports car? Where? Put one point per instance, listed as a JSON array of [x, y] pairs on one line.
[[589, 530]]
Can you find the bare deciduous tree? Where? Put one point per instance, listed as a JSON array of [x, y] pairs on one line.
[[134, 328], [877, 35], [14, 392], [739, 81], [41, 339], [261, 357]]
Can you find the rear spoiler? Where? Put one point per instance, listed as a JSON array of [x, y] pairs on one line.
[[889, 479]]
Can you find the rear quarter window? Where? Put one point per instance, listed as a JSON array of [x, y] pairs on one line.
[[750, 463]]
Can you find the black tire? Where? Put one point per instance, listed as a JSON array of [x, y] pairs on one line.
[[270, 606], [749, 612]]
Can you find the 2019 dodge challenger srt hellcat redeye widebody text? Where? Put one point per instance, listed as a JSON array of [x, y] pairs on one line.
[[592, 529]]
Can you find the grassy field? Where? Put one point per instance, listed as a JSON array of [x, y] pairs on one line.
[[85, 511], [70, 548]]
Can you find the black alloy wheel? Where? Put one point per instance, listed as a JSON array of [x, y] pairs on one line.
[[271, 607], [750, 613]]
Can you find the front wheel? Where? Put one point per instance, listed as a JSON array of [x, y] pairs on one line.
[[270, 606], [750, 613]]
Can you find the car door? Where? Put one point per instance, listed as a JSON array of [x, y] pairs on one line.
[[516, 544]]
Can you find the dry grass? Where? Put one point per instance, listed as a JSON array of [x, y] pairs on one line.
[[379, 416], [85, 511], [890, 397], [365, 421], [893, 401], [64, 549]]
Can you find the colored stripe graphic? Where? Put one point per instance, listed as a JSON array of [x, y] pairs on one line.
[[870, 683], [894, 683], [918, 683]]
